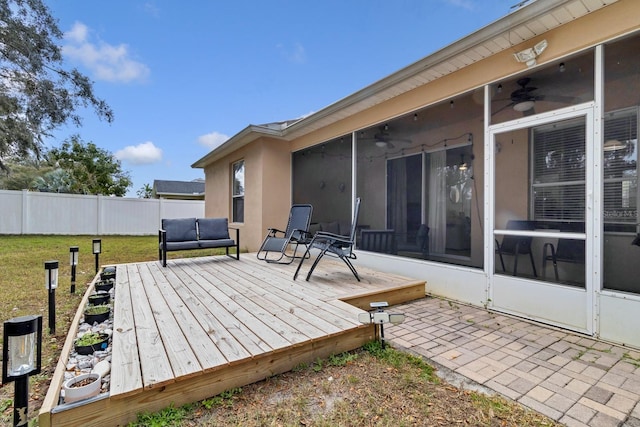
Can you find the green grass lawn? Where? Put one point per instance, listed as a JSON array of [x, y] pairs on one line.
[[23, 291]]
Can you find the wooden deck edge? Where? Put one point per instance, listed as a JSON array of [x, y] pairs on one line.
[[53, 392], [122, 411], [393, 295]]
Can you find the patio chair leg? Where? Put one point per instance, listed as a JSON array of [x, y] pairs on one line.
[[305, 256], [351, 267], [313, 266]]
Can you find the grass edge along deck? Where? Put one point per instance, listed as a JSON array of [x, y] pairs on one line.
[[130, 396]]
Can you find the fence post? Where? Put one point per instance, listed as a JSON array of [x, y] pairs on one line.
[[24, 227]]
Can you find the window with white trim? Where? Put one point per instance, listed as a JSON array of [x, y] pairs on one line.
[[237, 192], [559, 162], [620, 170]]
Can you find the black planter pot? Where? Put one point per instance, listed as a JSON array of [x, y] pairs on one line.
[[96, 318], [108, 273], [90, 349], [104, 285], [100, 298]]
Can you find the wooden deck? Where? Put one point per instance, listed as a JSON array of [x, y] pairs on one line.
[[205, 325]]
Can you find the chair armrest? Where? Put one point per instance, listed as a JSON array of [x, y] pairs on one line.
[[331, 236], [301, 236], [553, 251], [273, 231]]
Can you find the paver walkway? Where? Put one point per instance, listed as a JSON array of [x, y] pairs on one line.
[[571, 378]]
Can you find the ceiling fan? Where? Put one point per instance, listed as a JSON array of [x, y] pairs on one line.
[[383, 139], [524, 100]]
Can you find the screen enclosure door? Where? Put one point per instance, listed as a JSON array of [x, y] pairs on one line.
[[540, 178]]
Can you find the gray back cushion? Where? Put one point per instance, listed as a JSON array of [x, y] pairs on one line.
[[213, 228], [180, 229]]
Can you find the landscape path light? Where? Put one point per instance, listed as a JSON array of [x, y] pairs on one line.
[[97, 248], [21, 357], [73, 261], [379, 317], [51, 283]]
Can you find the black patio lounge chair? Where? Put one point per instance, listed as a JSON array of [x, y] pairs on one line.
[[279, 242], [334, 245]]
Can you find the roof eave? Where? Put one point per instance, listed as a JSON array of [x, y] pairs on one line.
[[477, 38], [242, 138]]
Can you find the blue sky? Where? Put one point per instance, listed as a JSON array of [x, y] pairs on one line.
[[183, 76]]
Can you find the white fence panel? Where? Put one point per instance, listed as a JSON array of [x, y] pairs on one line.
[[177, 208], [49, 213], [10, 211], [25, 212], [129, 216]]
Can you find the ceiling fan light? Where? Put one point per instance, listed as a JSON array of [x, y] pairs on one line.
[[524, 105], [613, 145], [381, 144]]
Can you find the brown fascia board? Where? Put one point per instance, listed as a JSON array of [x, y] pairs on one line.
[[242, 138]]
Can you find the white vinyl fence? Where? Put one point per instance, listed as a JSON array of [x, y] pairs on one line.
[[27, 212]]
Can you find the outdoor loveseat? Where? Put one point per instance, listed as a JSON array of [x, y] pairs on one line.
[[181, 234]]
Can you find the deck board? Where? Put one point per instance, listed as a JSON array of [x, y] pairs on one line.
[[154, 362], [128, 378], [203, 325]]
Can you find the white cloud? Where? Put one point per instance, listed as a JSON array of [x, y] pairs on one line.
[[212, 140], [141, 154], [106, 62], [465, 4], [295, 54]]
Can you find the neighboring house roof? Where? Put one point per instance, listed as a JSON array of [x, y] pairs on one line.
[[163, 188], [525, 23]]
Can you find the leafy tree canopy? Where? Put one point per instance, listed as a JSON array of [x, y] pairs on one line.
[[92, 170], [37, 94], [145, 192]]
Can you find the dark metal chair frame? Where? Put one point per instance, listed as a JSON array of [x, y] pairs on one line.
[[516, 245], [295, 234], [333, 245]]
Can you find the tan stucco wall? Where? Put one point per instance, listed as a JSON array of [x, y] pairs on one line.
[[267, 189]]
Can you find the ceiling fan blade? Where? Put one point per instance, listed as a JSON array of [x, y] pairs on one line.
[[511, 104]]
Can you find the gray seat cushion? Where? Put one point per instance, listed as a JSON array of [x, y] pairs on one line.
[[218, 243], [180, 246], [213, 229], [180, 229]]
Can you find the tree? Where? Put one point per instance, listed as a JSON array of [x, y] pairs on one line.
[[21, 174], [37, 94], [55, 181], [145, 192], [92, 170]]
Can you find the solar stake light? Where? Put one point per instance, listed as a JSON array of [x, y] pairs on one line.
[[21, 357], [73, 261], [97, 248], [379, 317], [51, 283]]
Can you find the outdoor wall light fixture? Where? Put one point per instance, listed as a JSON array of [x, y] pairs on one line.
[[379, 317], [73, 261], [51, 283], [97, 249], [528, 56], [21, 357]]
